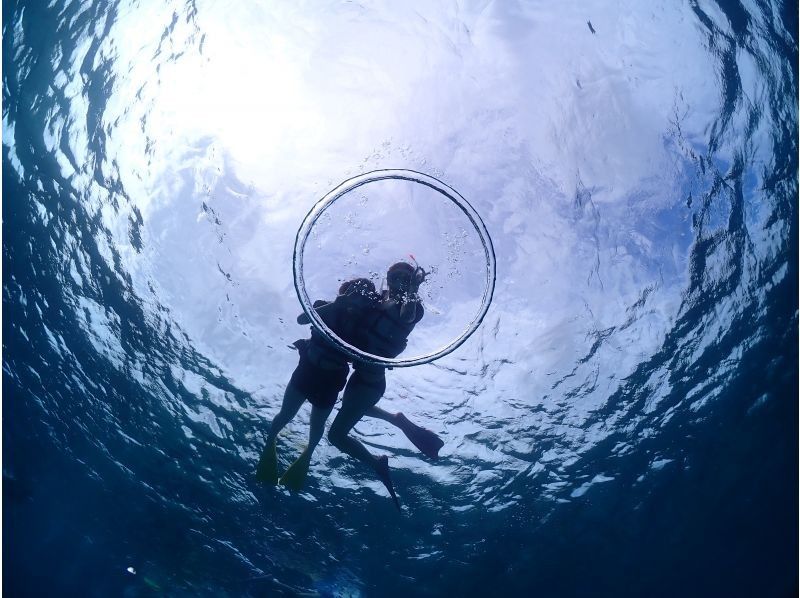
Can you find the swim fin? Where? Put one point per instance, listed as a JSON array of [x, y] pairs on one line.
[[267, 470], [295, 476], [422, 438], [383, 475]]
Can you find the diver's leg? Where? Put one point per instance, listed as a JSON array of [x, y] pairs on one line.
[[358, 398], [379, 413], [293, 399], [426, 441], [267, 470], [319, 415], [361, 393], [296, 474]]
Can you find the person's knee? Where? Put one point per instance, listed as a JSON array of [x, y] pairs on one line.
[[336, 436]]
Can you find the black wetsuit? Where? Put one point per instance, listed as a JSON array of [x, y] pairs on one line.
[[381, 332], [323, 369]]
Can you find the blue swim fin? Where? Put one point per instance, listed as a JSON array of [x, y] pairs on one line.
[[426, 441], [383, 474]]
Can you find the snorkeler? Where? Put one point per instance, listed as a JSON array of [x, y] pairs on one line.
[[321, 375], [383, 331]]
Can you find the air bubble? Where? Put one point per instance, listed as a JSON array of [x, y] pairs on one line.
[[317, 216]]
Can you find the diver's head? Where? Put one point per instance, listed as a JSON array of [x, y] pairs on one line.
[[399, 276]]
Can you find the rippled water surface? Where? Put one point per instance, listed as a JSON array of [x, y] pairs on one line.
[[624, 422]]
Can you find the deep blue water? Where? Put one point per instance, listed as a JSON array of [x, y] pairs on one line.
[[625, 423]]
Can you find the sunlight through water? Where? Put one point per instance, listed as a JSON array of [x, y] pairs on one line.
[[628, 403]]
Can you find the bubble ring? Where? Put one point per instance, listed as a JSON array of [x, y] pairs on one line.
[[370, 177]]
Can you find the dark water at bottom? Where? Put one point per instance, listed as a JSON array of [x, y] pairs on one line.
[[129, 448]]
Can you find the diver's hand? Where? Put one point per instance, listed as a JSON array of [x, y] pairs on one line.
[[418, 278]]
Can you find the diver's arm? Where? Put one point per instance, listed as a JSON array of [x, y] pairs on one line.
[[349, 303], [408, 309], [321, 307]]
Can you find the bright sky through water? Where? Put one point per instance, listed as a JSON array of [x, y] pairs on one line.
[[634, 163]]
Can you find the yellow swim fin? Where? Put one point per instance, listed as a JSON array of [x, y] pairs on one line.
[[295, 476], [267, 470]]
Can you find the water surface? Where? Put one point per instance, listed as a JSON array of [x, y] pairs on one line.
[[624, 423]]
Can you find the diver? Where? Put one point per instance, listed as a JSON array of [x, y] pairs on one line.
[[322, 373], [383, 331]]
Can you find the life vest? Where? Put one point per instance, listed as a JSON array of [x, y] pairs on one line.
[[345, 323], [319, 350], [377, 329], [382, 331]]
